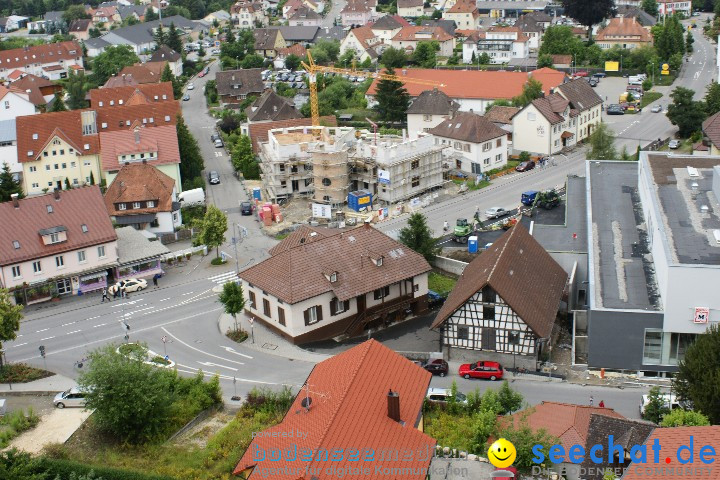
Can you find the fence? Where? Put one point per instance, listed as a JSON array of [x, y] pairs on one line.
[[180, 254], [657, 144], [180, 235]]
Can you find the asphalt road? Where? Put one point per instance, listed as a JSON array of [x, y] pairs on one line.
[[337, 6]]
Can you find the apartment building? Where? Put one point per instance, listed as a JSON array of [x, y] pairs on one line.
[[502, 44], [52, 60]]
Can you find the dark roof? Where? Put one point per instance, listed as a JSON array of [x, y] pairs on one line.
[[302, 235], [165, 54], [625, 432], [127, 10], [448, 25], [305, 13], [265, 38], [525, 276], [433, 102], [409, 3], [143, 32], [270, 107], [303, 268], [299, 33], [331, 33], [468, 127], [711, 128], [580, 94], [499, 114], [80, 25], [248, 81], [642, 17], [386, 22], [76, 207]]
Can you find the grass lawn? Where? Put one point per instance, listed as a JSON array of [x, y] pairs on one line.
[[649, 97], [439, 283], [685, 147], [664, 80]]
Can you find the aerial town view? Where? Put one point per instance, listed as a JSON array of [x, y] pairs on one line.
[[359, 239]]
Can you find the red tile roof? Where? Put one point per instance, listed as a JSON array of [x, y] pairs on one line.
[[464, 7], [126, 116], [162, 140], [624, 29], [146, 93], [42, 54], [142, 73], [35, 131], [350, 412], [35, 85], [464, 83], [75, 207], [140, 182], [412, 34], [671, 439], [549, 77]]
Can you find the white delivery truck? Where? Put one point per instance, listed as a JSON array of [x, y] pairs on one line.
[[195, 196]]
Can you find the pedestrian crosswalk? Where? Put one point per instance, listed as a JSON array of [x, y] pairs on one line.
[[223, 278]]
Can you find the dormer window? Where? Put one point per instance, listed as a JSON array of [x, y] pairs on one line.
[[49, 208], [378, 261], [331, 276], [35, 136], [84, 228], [121, 206], [16, 244], [100, 104]]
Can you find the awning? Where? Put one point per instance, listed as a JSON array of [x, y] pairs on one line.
[[93, 276], [133, 219], [566, 134]]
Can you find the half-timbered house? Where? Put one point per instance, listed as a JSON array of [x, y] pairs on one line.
[[506, 302]]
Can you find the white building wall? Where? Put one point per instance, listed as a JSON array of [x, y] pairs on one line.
[[13, 106], [480, 158], [419, 123]]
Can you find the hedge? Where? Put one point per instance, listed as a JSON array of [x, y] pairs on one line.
[[52, 468]]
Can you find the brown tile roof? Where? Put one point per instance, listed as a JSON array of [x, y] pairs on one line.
[[463, 7], [162, 140], [304, 267], [551, 107], [165, 54], [76, 207], [124, 81], [549, 77], [561, 59], [568, 422], [296, 49], [671, 439], [35, 84], [519, 269], [409, 3], [145, 73], [129, 95], [259, 131], [468, 127], [301, 236], [499, 114], [711, 128], [433, 102], [15, 74], [126, 117], [249, 82], [80, 25], [350, 412], [34, 132], [356, 6], [47, 53], [411, 34], [464, 83], [265, 38], [580, 94], [364, 35], [270, 107], [140, 182], [625, 29]]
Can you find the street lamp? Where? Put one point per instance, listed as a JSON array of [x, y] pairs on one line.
[[652, 64], [237, 63]]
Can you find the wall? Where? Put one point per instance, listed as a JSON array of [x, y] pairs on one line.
[[690, 286], [616, 338], [77, 167], [587, 121], [495, 157], [9, 154], [538, 131], [417, 123], [13, 106], [449, 265]]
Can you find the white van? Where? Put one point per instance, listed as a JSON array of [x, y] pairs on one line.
[[195, 196], [671, 401], [636, 80]]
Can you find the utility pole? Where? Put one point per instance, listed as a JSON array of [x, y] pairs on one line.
[[235, 242]]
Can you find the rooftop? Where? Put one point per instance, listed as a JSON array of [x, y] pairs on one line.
[[559, 237], [134, 247], [144, 140], [469, 127], [140, 182], [627, 29]]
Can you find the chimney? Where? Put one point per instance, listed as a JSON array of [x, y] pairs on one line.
[[56, 193], [393, 401], [15, 197]]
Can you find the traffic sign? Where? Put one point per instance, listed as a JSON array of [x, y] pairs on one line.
[[42, 351], [164, 339], [251, 320]]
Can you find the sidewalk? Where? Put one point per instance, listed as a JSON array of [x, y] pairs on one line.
[[55, 427], [52, 384]]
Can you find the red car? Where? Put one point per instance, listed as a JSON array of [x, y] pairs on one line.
[[489, 370], [201, 74], [581, 73]]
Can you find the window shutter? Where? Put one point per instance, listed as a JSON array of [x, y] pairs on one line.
[[319, 312], [306, 314], [347, 305], [333, 305]]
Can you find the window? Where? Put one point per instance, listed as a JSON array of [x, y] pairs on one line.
[[487, 146], [54, 238], [458, 146], [427, 118], [150, 204], [33, 169], [121, 206], [488, 312], [337, 307], [381, 293], [415, 182], [81, 256], [486, 161], [136, 205], [281, 316], [253, 304], [466, 147], [37, 267], [652, 351], [414, 164], [16, 244], [57, 166], [72, 164], [463, 332], [47, 167], [498, 142], [313, 315], [7, 105], [16, 271], [101, 251], [59, 261], [35, 185], [531, 116], [62, 152], [84, 228], [266, 308]]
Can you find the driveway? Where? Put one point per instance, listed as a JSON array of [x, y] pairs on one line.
[[55, 427]]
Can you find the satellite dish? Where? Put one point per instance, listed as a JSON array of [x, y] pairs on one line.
[[306, 402]]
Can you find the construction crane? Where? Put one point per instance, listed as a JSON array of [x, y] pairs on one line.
[[313, 69]]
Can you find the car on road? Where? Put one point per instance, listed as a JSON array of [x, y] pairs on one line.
[[656, 109], [593, 83], [186, 97], [495, 212], [599, 75], [190, 86], [214, 136], [615, 110], [73, 397], [129, 285], [582, 73], [486, 370], [674, 144], [443, 395], [246, 208], [525, 166], [437, 366], [215, 51], [213, 177], [218, 143], [201, 74]]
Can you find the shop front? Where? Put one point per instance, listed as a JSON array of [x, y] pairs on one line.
[[90, 282], [144, 269]]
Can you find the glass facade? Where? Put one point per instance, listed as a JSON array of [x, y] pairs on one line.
[[665, 348]]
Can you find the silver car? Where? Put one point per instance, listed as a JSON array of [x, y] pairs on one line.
[[674, 144], [495, 212], [73, 397]]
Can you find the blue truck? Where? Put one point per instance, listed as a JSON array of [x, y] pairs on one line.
[[528, 197]]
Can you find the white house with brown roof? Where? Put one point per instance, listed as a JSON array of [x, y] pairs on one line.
[[408, 38], [335, 285], [465, 15], [670, 7], [505, 302], [50, 60], [167, 54], [472, 143], [387, 26], [410, 8], [627, 33], [14, 102], [428, 110], [357, 13], [61, 243], [247, 14], [364, 42]]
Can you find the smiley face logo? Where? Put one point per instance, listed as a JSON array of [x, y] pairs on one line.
[[502, 453]]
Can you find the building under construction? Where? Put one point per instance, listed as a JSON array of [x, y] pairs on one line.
[[326, 163]]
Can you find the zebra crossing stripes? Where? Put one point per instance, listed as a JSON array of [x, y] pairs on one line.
[[223, 278]]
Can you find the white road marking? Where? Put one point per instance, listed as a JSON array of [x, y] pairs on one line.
[[66, 324], [198, 350], [43, 330], [164, 299], [223, 278], [47, 338], [232, 350], [210, 364], [20, 344], [76, 331], [218, 154], [101, 325], [188, 293], [226, 377]]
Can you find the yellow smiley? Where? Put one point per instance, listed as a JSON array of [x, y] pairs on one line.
[[502, 453]]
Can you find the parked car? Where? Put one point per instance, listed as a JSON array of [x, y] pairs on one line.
[[656, 109], [582, 73], [186, 97], [495, 212], [213, 177], [487, 370], [73, 397], [435, 300], [214, 136], [437, 366], [600, 75], [593, 82], [246, 208], [674, 144], [190, 86], [525, 166], [129, 285], [443, 395], [615, 110], [201, 74], [218, 143]]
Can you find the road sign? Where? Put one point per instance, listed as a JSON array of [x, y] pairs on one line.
[[42, 351], [234, 380], [251, 320], [164, 339]]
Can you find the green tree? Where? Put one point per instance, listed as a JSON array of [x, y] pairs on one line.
[[173, 39], [689, 40], [560, 40], [685, 112], [346, 59], [684, 418], [425, 54], [252, 61], [92, 178], [292, 62], [647, 84], [589, 12], [68, 186], [191, 161], [284, 90], [698, 378], [232, 299], [392, 99], [213, 229], [74, 12], [111, 61], [76, 91], [602, 143], [510, 400], [656, 407], [712, 98], [531, 90], [325, 51], [201, 51], [394, 58], [167, 76], [150, 15], [650, 6], [160, 36], [10, 316], [525, 439], [19, 465], [58, 105], [545, 61], [8, 184], [418, 237]]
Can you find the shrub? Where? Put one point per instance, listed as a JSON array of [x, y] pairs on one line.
[[63, 469], [21, 373], [238, 335], [218, 261]]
